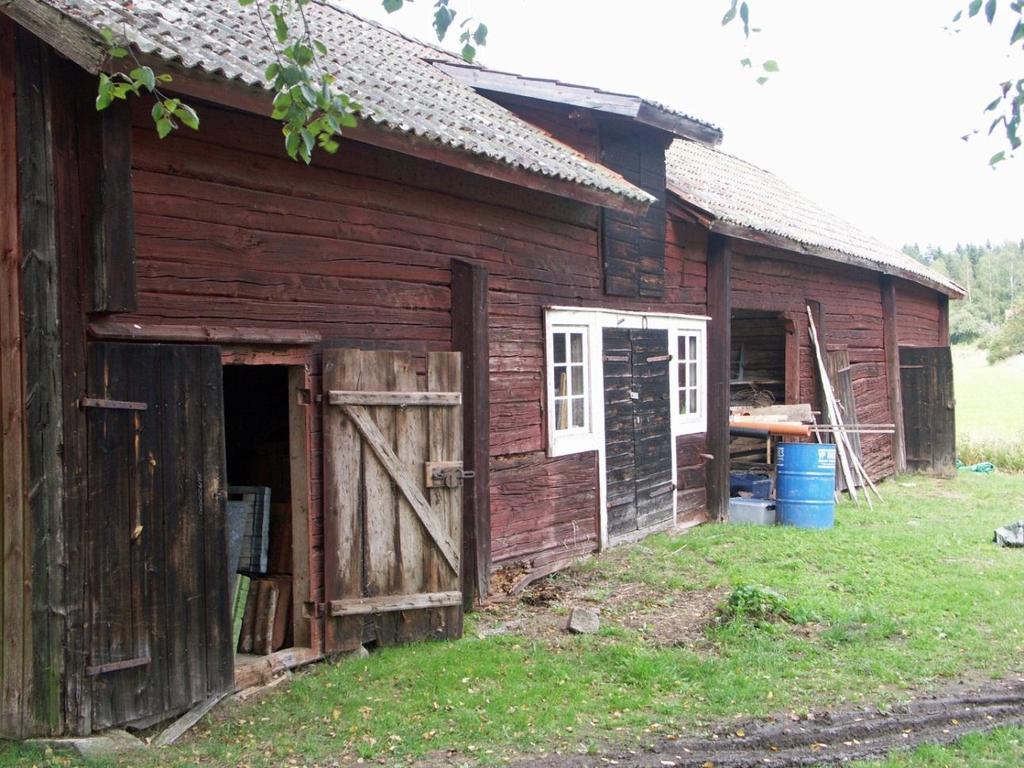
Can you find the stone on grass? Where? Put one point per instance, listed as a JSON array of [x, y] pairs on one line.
[[584, 621], [99, 746]]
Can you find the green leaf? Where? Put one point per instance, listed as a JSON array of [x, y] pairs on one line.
[[271, 71], [244, 3], [321, 48], [157, 111], [1018, 33], [771, 65], [393, 5], [745, 18], [188, 116], [164, 78], [746, 63], [443, 18], [974, 7], [164, 127], [291, 144], [144, 76], [468, 52], [118, 52], [998, 157], [107, 35], [280, 28], [993, 104], [730, 14], [480, 34], [956, 18], [990, 10], [103, 93], [762, 80]]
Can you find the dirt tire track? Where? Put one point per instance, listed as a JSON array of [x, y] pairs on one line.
[[826, 738]]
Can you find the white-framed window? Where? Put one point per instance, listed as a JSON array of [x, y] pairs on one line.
[[689, 379], [570, 389]]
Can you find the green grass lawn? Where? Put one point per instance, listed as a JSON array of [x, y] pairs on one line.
[[989, 408], [896, 600], [1003, 748]]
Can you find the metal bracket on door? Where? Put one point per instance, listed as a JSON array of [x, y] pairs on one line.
[[446, 474]]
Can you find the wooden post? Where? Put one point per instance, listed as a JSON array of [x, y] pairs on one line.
[[12, 435], [44, 659], [943, 320], [719, 344], [470, 329], [791, 326], [890, 342], [820, 325]]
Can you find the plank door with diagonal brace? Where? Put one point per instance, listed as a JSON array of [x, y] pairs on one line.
[[393, 497]]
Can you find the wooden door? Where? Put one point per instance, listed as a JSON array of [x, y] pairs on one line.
[[926, 381], [638, 430], [159, 617], [393, 497]]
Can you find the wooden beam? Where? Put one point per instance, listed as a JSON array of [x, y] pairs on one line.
[[356, 397], [820, 326], [43, 387], [943, 320], [300, 427], [12, 404], [890, 343], [109, 329], [791, 326], [366, 605], [408, 485], [258, 101], [471, 337], [719, 346], [109, 213], [115, 405]]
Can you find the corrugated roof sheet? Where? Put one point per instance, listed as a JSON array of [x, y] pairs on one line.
[[389, 74], [734, 191]]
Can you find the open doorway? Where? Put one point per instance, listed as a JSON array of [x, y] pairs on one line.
[[262, 450]]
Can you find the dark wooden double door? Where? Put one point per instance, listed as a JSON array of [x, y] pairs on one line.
[[926, 382], [638, 430]]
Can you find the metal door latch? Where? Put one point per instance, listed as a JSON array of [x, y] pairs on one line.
[[446, 474]]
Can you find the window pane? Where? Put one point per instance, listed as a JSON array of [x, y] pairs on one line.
[[693, 347], [576, 351], [691, 401], [693, 375], [561, 414], [578, 412], [577, 379], [561, 380], [681, 351], [558, 347]]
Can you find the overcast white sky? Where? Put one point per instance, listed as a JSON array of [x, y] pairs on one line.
[[865, 116]]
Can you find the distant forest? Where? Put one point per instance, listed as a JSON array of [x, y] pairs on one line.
[[992, 315]]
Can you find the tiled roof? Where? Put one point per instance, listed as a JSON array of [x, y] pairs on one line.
[[389, 74], [738, 193]]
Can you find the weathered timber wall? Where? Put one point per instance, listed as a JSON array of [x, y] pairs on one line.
[[358, 247], [772, 280], [919, 317]]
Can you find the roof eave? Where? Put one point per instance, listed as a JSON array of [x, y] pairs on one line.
[[740, 232], [73, 39], [552, 91], [257, 100]]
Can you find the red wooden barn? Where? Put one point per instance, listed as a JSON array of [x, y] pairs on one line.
[[498, 326]]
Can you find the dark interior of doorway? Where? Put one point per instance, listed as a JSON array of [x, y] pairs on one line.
[[757, 378], [257, 449]]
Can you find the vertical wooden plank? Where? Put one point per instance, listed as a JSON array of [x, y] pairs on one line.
[[42, 374], [719, 345], [792, 326], [12, 489], [444, 374], [943, 320], [299, 429], [343, 501], [414, 557], [619, 432], [111, 212], [470, 337], [652, 436], [945, 417], [890, 343], [381, 565], [213, 497], [74, 109]]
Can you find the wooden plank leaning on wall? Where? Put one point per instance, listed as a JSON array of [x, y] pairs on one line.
[[890, 342]]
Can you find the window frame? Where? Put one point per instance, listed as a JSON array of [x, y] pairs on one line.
[[574, 439], [689, 423]]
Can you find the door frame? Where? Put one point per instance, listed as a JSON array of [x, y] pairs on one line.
[[595, 320], [299, 362]]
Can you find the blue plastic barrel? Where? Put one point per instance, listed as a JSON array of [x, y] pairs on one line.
[[805, 484]]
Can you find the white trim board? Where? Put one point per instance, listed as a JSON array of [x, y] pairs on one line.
[[595, 320]]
